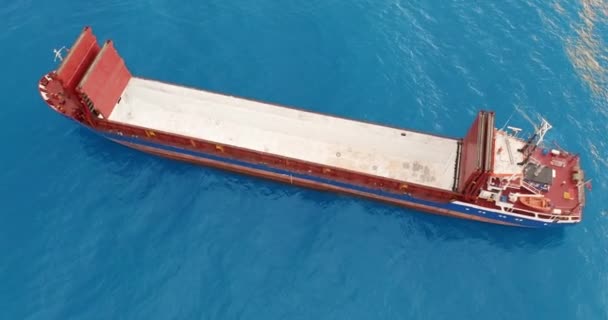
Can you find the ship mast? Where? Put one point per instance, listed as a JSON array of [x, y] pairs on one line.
[[542, 130], [535, 140]]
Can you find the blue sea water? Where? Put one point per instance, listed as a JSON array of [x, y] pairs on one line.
[[92, 230]]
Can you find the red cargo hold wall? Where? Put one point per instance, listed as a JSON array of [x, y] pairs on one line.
[[105, 80], [471, 161], [79, 58], [477, 160], [489, 142]]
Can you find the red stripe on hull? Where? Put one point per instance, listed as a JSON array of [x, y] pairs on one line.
[[303, 182]]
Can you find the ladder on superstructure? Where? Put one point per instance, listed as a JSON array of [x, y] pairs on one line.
[[508, 144], [515, 131]]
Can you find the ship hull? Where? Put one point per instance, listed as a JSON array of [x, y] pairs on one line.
[[476, 177], [450, 208]]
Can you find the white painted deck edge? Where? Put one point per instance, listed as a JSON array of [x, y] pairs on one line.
[[373, 149]]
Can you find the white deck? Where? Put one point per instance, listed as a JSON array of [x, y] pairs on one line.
[[506, 155], [377, 150]]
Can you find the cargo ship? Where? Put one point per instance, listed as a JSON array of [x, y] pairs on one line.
[[490, 175]]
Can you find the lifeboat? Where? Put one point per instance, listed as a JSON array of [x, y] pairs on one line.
[[535, 202]]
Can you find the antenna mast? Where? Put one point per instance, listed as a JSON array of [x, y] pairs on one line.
[[542, 130], [539, 135]]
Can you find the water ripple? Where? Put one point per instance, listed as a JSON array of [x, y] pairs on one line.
[[587, 50]]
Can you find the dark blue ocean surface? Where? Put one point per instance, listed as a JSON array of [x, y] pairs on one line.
[[93, 230]]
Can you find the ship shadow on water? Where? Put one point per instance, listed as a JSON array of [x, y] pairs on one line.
[[125, 162]]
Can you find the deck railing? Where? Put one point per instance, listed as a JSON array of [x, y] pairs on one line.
[[530, 187]]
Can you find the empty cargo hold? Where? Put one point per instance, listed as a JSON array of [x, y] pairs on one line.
[[403, 155]]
